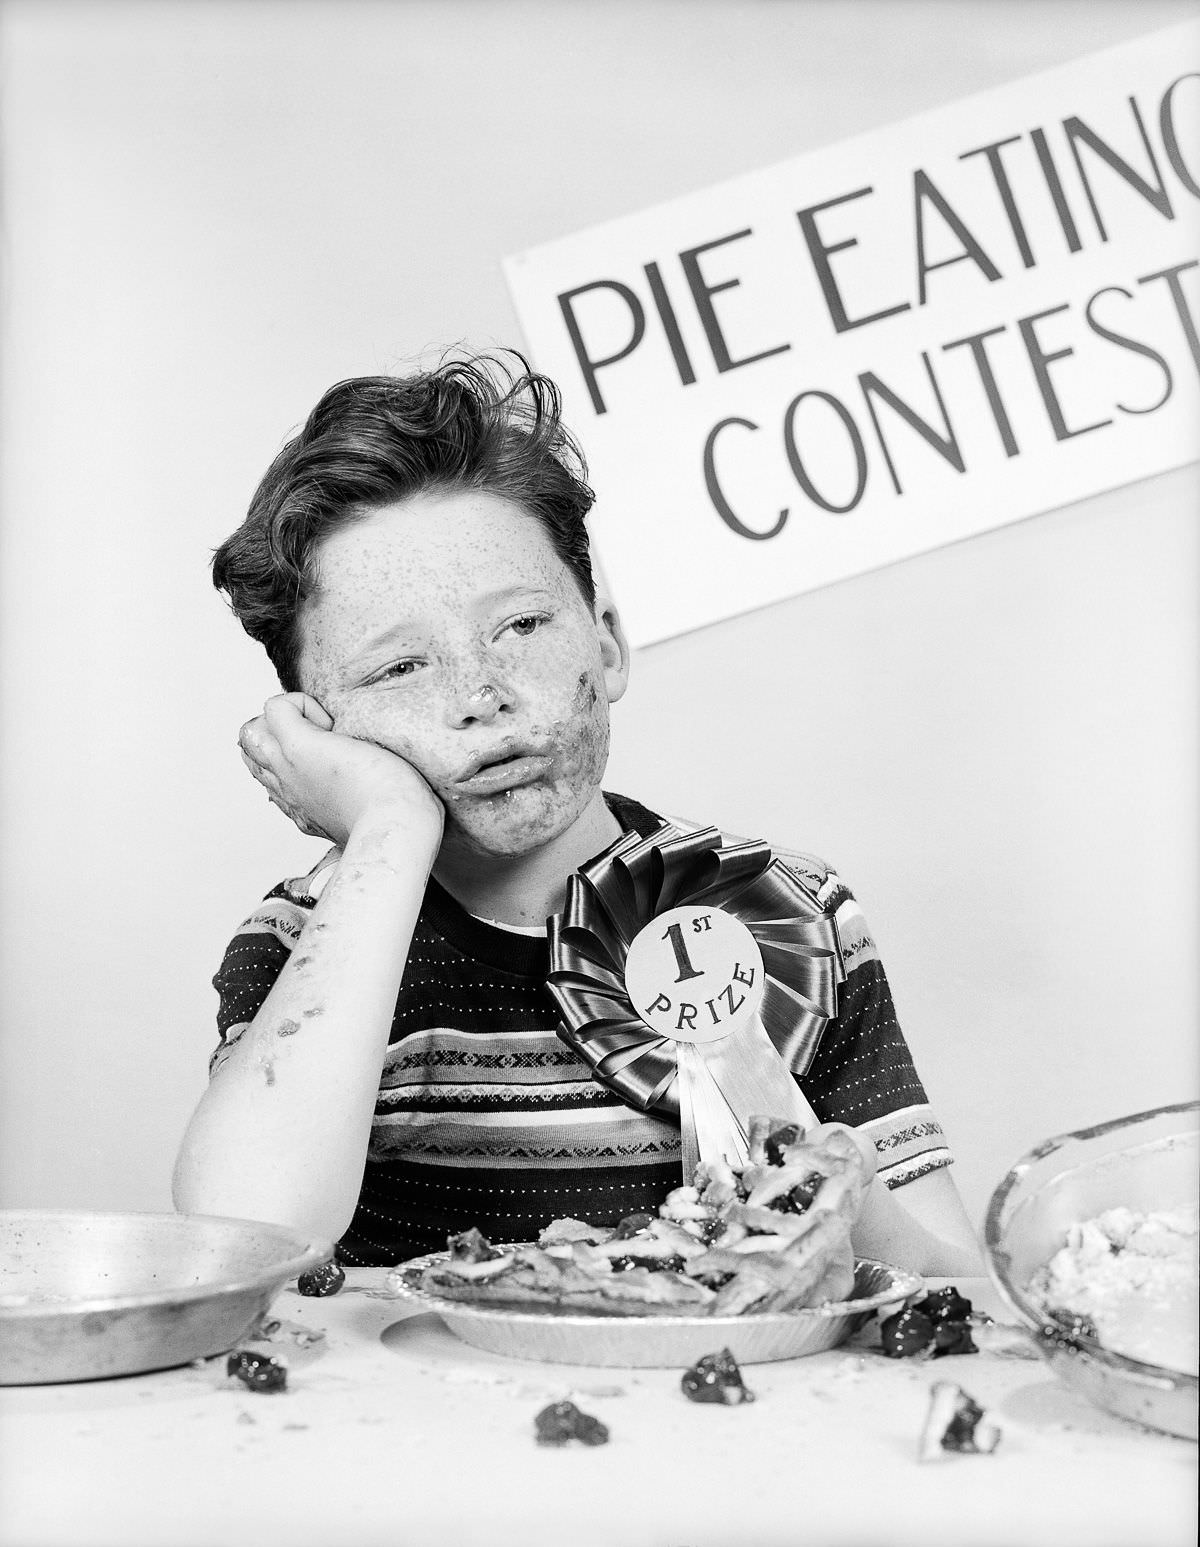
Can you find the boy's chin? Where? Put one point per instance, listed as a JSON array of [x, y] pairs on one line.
[[509, 827]]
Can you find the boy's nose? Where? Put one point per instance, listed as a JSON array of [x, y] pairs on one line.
[[480, 704]]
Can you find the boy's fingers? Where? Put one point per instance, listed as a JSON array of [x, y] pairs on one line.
[[279, 713], [311, 710], [260, 752], [251, 744], [294, 713], [262, 774], [250, 740]]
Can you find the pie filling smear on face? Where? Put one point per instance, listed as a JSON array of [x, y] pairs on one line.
[[773, 1236]]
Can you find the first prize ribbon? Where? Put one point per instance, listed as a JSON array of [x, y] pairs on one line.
[[695, 978]]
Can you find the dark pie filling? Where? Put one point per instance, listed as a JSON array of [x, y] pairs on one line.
[[715, 1378], [953, 1337], [562, 1422], [653, 1264], [946, 1305], [905, 1334], [960, 1431], [800, 1198], [325, 1279], [779, 1139], [938, 1324], [471, 1246], [632, 1224], [257, 1371]]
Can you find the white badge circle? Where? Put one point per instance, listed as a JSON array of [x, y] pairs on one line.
[[694, 974]]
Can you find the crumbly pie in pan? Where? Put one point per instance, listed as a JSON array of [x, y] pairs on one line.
[[773, 1235]]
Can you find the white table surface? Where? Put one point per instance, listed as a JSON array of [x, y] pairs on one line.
[[393, 1433]]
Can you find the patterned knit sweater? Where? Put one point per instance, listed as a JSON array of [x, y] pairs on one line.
[[484, 1117]]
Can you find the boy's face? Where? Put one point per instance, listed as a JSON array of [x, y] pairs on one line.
[[447, 629]]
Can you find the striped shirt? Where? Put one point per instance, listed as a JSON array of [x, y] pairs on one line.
[[485, 1117]]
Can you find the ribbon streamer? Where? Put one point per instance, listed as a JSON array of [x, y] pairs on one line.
[[711, 1090]]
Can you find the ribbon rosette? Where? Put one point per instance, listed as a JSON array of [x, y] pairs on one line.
[[695, 978]]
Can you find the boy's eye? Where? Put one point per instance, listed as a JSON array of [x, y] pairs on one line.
[[396, 669], [526, 624]]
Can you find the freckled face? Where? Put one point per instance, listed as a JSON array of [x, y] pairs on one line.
[[448, 630]]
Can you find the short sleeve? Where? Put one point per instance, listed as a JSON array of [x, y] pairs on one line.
[[863, 1073], [253, 960]]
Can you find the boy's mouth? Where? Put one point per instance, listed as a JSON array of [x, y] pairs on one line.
[[492, 776]]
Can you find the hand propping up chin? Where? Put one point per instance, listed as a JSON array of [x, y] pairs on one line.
[[328, 783]]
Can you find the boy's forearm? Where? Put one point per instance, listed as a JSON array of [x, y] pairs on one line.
[[921, 1226], [282, 1131]]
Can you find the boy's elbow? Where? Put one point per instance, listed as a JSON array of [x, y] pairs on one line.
[[939, 1258], [186, 1184], [196, 1189]]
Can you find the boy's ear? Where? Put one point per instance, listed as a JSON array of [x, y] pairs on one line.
[[614, 648]]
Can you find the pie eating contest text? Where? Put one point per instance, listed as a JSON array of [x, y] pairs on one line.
[[863, 259]]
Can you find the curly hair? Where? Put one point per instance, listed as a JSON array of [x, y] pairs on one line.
[[472, 424]]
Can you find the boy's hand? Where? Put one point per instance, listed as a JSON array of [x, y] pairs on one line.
[[325, 782], [870, 1155]]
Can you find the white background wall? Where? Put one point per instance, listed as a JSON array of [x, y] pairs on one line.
[[211, 212]]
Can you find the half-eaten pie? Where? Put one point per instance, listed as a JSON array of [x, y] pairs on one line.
[[772, 1235]]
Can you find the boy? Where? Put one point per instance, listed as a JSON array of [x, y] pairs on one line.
[[416, 564]]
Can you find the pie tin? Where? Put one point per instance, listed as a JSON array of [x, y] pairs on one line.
[[87, 1295], [633, 1342]]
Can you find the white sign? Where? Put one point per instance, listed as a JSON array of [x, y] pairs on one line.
[[896, 342]]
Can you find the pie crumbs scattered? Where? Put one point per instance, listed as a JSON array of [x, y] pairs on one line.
[[955, 1422], [716, 1378], [562, 1422], [258, 1372]]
